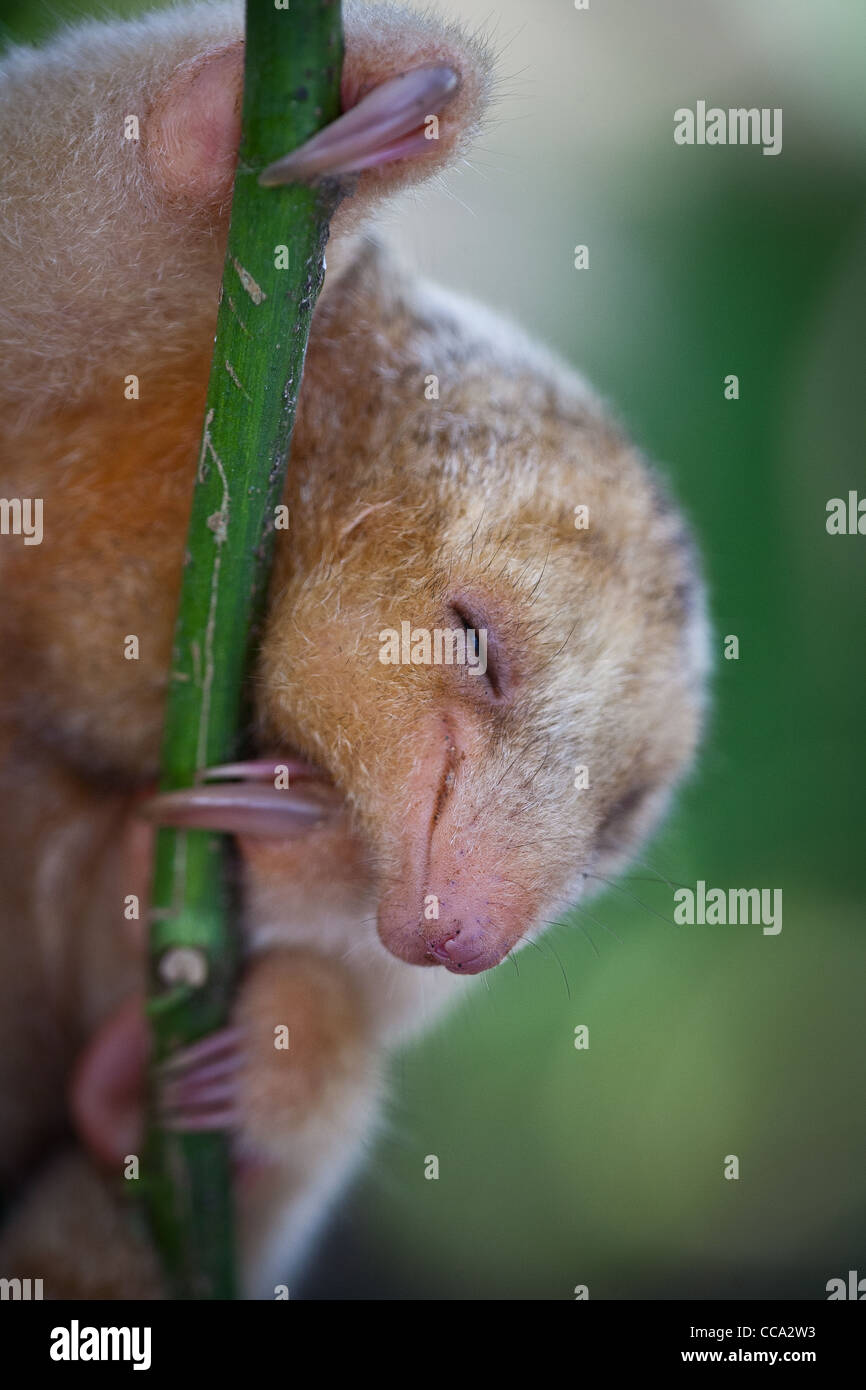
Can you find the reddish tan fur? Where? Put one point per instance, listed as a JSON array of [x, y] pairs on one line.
[[397, 503]]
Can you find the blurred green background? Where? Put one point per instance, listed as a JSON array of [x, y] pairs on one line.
[[605, 1167]]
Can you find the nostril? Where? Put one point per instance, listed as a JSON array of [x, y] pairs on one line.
[[458, 954], [440, 950], [445, 949]]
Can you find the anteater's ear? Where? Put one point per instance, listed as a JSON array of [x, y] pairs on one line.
[[413, 93]]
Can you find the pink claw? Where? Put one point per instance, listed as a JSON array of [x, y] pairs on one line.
[[262, 769], [190, 1097], [225, 1040], [374, 131], [188, 1124], [197, 1088], [245, 808], [207, 1071]]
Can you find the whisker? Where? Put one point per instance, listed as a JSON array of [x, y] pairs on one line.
[[660, 875], [641, 878], [612, 884], [528, 940], [559, 962], [598, 922], [541, 575], [582, 931]]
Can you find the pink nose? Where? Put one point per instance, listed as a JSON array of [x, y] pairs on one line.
[[465, 953]]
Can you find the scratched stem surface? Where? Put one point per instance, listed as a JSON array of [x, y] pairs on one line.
[[291, 89]]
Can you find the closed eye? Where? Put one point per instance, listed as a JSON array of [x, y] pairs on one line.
[[473, 622]]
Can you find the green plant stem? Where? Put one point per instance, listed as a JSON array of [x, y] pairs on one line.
[[291, 88]]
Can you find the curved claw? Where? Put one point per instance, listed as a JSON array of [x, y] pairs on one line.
[[245, 808], [220, 1045], [382, 127], [261, 769], [197, 1085]]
